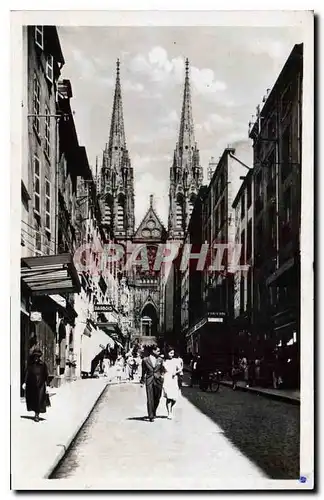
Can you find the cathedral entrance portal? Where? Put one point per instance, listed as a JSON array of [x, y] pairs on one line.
[[148, 324]]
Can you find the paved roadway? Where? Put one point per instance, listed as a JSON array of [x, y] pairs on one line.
[[212, 435]]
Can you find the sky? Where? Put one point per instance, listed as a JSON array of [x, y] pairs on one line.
[[231, 69]]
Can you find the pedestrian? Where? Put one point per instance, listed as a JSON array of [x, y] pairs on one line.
[[170, 384], [245, 369], [152, 376], [180, 364], [195, 370], [130, 367], [119, 367], [34, 386]]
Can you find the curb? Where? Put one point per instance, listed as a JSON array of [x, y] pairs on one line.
[[65, 447], [259, 392]]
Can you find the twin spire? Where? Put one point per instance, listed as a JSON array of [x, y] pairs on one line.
[[117, 139], [186, 133]]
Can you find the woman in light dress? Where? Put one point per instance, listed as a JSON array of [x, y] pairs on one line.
[[119, 367], [170, 385]]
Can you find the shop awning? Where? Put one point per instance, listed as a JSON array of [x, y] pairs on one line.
[[50, 274]]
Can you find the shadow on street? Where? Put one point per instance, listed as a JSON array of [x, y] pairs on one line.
[[264, 430]]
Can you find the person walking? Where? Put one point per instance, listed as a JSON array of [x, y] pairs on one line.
[[171, 391], [119, 367], [180, 365], [195, 370], [35, 384], [152, 376], [245, 369]]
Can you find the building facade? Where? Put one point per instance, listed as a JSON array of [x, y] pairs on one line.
[[277, 149], [243, 279]]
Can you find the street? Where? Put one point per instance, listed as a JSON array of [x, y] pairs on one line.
[[226, 435]]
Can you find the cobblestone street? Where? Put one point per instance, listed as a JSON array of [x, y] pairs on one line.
[[118, 442]]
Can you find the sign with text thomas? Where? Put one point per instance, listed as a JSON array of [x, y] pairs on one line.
[[103, 308]]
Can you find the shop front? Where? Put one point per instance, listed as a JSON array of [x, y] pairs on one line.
[[44, 280], [211, 339]]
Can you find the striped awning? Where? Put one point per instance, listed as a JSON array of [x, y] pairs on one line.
[[50, 274]]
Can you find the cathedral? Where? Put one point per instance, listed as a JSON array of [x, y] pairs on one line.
[[117, 199]]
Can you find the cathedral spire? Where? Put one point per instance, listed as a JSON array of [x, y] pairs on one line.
[[117, 139], [186, 134]]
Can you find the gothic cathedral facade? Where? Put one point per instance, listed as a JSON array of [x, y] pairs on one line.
[[117, 197]]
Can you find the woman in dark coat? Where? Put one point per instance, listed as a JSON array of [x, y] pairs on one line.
[[35, 384]]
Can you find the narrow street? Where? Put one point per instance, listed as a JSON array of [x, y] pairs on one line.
[[226, 435]]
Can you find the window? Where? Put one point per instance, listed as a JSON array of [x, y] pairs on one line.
[[36, 110], [243, 247], [249, 194], [38, 240], [286, 100], [243, 206], [271, 185], [48, 244], [273, 228], [36, 185], [286, 154], [249, 241], [107, 214], [120, 216], [47, 132], [258, 192], [179, 215], [39, 36], [47, 205], [287, 206], [49, 68]]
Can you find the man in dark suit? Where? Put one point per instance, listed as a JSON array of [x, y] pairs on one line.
[[152, 375]]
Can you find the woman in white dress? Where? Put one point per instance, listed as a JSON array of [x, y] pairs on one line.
[[170, 383]]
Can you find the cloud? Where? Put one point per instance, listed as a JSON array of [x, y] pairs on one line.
[[157, 66], [264, 46], [214, 123]]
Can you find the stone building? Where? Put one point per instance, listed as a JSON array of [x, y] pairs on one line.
[[210, 332], [45, 273], [277, 145], [243, 280]]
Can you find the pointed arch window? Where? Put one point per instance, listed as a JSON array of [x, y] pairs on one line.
[[179, 212], [120, 213]]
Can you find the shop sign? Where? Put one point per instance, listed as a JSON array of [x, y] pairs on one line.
[[35, 316], [59, 300], [103, 308]]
